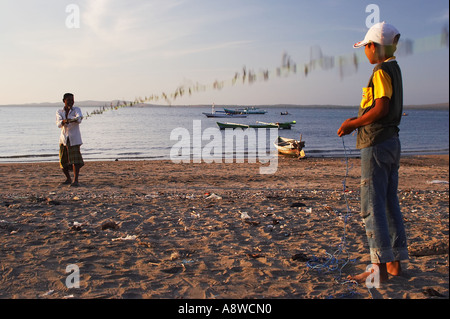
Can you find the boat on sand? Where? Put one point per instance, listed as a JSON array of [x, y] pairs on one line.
[[290, 146]]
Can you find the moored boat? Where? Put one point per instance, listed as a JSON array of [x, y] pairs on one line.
[[281, 125], [284, 125], [222, 114], [246, 110]]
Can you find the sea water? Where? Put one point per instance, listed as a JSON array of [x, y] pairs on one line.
[[29, 133]]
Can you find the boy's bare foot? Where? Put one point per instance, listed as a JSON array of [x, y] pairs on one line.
[[381, 268], [394, 268], [360, 278]]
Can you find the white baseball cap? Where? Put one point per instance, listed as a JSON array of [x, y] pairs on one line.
[[381, 33]]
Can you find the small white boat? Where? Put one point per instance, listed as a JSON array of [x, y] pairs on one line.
[[290, 146]]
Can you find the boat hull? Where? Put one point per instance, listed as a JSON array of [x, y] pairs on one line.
[[286, 125], [290, 147], [245, 111], [224, 115], [223, 126]]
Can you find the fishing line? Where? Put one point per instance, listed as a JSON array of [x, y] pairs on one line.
[[340, 258]]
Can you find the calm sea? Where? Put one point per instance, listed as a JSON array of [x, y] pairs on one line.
[[29, 133]]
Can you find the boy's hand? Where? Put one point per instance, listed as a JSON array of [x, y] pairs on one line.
[[346, 127]]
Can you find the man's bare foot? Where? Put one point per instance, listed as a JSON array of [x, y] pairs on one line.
[[67, 182]]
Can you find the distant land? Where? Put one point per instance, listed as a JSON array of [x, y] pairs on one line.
[[436, 106]]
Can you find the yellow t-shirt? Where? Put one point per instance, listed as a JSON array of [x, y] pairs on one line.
[[382, 87], [385, 81]]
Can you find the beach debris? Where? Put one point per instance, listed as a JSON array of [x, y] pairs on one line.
[[76, 198], [436, 181], [247, 219], [194, 214], [77, 226], [52, 202], [214, 196], [300, 257], [431, 292], [299, 204], [144, 243], [48, 293], [174, 255], [110, 225], [185, 254], [173, 270], [13, 205], [127, 237], [244, 215], [255, 255]]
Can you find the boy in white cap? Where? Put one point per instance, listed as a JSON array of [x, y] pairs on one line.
[[377, 124]]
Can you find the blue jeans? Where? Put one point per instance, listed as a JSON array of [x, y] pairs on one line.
[[380, 207]]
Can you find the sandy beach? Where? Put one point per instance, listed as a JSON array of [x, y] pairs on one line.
[[156, 229]]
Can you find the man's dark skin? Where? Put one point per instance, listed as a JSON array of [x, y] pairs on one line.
[[68, 103]]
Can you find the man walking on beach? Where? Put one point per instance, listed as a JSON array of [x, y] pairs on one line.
[[68, 119], [377, 123]]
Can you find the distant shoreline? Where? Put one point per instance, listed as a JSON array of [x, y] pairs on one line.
[[435, 106]]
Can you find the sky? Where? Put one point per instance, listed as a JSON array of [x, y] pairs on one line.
[[113, 49]]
